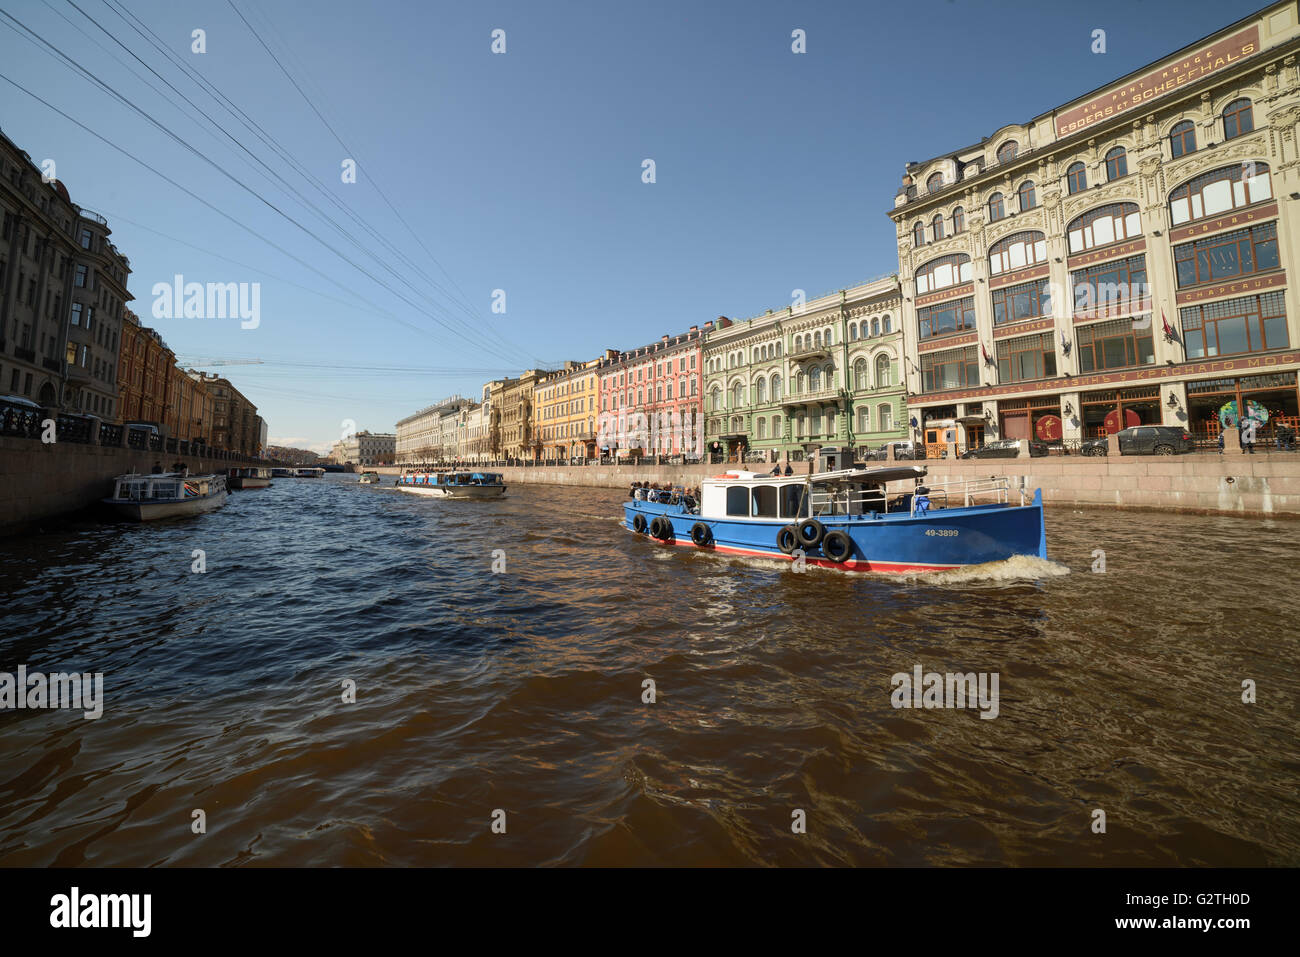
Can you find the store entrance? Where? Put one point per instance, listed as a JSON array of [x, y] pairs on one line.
[[1107, 412]]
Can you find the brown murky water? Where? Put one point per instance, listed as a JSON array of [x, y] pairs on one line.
[[523, 691]]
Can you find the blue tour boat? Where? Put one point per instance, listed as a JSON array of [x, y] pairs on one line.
[[847, 519], [453, 484]]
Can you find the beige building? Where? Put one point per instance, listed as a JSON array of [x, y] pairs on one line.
[[366, 448], [62, 294], [565, 413], [420, 437], [510, 433], [1126, 258]]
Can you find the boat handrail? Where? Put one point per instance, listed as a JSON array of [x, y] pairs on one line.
[[863, 501]]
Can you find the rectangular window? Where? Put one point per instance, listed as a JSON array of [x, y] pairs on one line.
[[951, 369], [1231, 326], [946, 318], [1030, 300], [1120, 344], [79, 279], [1241, 252], [738, 501], [765, 501], [1026, 357], [1118, 287], [85, 239], [76, 313]]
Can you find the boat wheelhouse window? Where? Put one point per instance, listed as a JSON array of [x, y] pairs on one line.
[[791, 496], [764, 501], [738, 500]]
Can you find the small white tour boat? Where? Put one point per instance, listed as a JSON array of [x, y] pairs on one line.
[[368, 478], [309, 473], [462, 485], [249, 478], [145, 498]]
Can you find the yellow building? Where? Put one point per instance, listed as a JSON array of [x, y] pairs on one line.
[[565, 410]]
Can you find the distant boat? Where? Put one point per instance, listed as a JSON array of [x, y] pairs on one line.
[[146, 498], [368, 478], [309, 473], [462, 485], [283, 473], [845, 519], [244, 478]]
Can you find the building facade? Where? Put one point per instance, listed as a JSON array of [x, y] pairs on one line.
[[1127, 258], [366, 448], [565, 410], [827, 372], [62, 292], [650, 398], [234, 418], [146, 365], [419, 436], [511, 433]]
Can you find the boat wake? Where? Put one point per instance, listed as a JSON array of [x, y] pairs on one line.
[[1014, 570]]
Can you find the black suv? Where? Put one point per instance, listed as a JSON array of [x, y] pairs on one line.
[[1145, 440]]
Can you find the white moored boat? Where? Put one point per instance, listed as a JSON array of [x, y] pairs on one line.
[[249, 478], [145, 498], [465, 485], [368, 478]]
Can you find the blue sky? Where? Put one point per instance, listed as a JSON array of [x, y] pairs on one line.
[[523, 171]]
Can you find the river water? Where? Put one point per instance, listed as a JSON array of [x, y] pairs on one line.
[[522, 692]]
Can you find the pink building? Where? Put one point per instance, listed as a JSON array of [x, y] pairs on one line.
[[652, 398]]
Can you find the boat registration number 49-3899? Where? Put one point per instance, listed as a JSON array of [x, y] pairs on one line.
[[942, 532]]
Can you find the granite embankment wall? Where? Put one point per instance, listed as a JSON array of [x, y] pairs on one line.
[[1260, 485], [39, 481]]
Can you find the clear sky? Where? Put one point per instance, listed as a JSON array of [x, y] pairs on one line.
[[522, 171]]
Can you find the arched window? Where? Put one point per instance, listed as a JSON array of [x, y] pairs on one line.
[[1116, 163], [885, 326], [1028, 195], [760, 391], [817, 339], [885, 416], [959, 220], [864, 418], [918, 234], [1182, 139], [776, 386], [996, 210], [778, 350], [815, 379], [1016, 251], [737, 395], [860, 380], [1103, 226], [715, 399], [798, 383], [798, 344], [1007, 151], [1238, 118], [762, 427], [776, 426], [934, 183], [882, 371], [829, 340], [936, 226], [875, 327], [1076, 178], [943, 272], [853, 331], [1219, 191]]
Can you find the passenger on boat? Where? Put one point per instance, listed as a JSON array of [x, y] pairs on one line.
[[921, 501], [788, 470], [776, 469]]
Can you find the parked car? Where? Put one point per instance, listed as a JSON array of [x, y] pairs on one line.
[[1144, 440], [902, 450], [1004, 449]]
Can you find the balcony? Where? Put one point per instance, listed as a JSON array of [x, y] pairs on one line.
[[816, 352], [51, 364], [24, 355], [811, 395]]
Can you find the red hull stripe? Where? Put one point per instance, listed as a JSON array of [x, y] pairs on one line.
[[852, 565]]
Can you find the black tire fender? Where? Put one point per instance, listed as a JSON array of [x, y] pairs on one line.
[[638, 523], [810, 532], [788, 539], [701, 534], [837, 546]]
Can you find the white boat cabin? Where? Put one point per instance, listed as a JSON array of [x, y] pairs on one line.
[[757, 496]]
